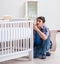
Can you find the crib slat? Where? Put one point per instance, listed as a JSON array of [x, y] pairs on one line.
[[10, 38], [18, 38], [23, 36], [5, 36], [1, 40], [7, 39], [14, 42], [15, 39], [26, 38]]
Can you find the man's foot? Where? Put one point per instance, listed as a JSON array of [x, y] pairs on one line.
[[43, 57], [48, 54]]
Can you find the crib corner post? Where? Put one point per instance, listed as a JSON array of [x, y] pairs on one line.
[[31, 55], [31, 42]]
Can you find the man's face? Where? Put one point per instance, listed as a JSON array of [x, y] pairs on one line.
[[39, 23]]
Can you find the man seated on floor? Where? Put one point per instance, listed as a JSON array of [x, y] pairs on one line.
[[41, 39]]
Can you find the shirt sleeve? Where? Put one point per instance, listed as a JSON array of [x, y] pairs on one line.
[[46, 32]]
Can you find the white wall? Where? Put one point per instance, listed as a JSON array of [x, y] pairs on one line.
[[15, 8], [48, 8]]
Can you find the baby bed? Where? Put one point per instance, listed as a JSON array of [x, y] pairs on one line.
[[16, 39]]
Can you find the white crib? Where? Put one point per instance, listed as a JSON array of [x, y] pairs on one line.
[[16, 39]]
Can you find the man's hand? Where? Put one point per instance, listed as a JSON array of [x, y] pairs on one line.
[[35, 28]]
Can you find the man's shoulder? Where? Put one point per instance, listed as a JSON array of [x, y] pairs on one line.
[[45, 28]]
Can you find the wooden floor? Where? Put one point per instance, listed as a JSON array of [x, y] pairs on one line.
[[53, 59]]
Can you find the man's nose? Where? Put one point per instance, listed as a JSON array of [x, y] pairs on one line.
[[37, 22]]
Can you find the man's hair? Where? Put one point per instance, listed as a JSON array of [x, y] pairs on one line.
[[42, 18]]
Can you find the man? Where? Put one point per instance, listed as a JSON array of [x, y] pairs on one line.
[[41, 39]]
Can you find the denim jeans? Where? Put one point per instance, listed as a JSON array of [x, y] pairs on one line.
[[42, 48]]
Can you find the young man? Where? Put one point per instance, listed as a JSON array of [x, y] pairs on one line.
[[41, 39]]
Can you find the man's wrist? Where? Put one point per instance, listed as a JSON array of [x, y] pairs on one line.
[[38, 30]]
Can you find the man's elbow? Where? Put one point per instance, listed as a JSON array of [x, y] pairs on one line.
[[45, 38]]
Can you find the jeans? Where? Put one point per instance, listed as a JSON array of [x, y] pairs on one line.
[[42, 48]]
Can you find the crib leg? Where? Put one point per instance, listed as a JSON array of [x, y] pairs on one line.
[[31, 55]]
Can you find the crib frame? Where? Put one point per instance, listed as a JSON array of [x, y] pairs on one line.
[[11, 48]]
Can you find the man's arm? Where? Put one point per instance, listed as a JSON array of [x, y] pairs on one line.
[[42, 35]]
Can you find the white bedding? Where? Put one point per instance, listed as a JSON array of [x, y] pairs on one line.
[[9, 34]]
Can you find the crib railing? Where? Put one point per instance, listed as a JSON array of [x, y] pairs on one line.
[[16, 37]]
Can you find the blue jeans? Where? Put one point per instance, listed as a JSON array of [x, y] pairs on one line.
[[42, 48]]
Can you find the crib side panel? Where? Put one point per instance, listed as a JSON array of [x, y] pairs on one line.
[[16, 39]]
